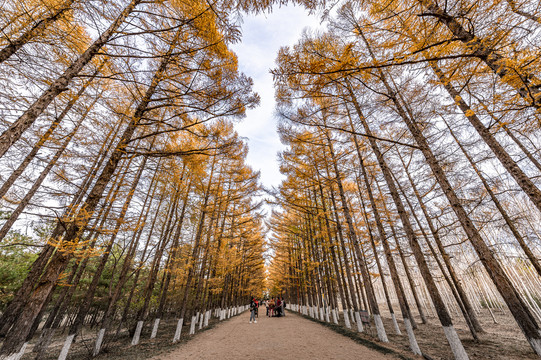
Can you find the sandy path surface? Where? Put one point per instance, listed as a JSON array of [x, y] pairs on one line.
[[293, 337]]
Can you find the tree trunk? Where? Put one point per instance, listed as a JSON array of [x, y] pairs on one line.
[[503, 156], [526, 84], [36, 30], [445, 319], [14, 308], [59, 261], [39, 144], [15, 131], [37, 183], [531, 256], [353, 237]]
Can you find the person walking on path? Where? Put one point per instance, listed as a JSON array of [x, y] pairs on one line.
[[253, 308]]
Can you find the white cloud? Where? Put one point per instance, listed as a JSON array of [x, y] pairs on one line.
[[263, 35]]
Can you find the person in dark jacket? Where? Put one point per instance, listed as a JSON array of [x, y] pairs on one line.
[[253, 308]]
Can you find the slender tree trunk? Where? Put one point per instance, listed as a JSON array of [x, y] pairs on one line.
[[36, 30], [447, 260], [404, 306], [39, 144], [405, 264], [142, 260], [355, 242], [86, 303], [15, 131], [445, 319], [503, 156], [331, 247], [14, 308], [526, 84], [195, 251], [59, 261], [37, 183], [531, 256], [399, 289], [516, 10]]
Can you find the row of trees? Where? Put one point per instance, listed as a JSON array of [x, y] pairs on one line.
[[117, 144], [412, 130]]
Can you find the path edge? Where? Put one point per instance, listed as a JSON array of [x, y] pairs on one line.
[[355, 336]]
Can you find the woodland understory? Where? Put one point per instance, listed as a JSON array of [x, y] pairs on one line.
[[410, 209]]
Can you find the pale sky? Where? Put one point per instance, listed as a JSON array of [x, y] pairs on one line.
[[262, 36]]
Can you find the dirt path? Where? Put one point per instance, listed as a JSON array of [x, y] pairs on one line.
[[289, 337]]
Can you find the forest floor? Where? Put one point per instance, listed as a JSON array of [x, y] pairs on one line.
[[301, 337], [501, 341]]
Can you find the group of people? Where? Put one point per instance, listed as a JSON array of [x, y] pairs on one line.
[[275, 308]]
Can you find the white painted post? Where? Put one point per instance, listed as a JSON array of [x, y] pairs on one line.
[[155, 328], [346, 319], [381, 329], [201, 321], [192, 325], [99, 341], [66, 347], [360, 327], [178, 330], [137, 334], [395, 323], [411, 336]]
